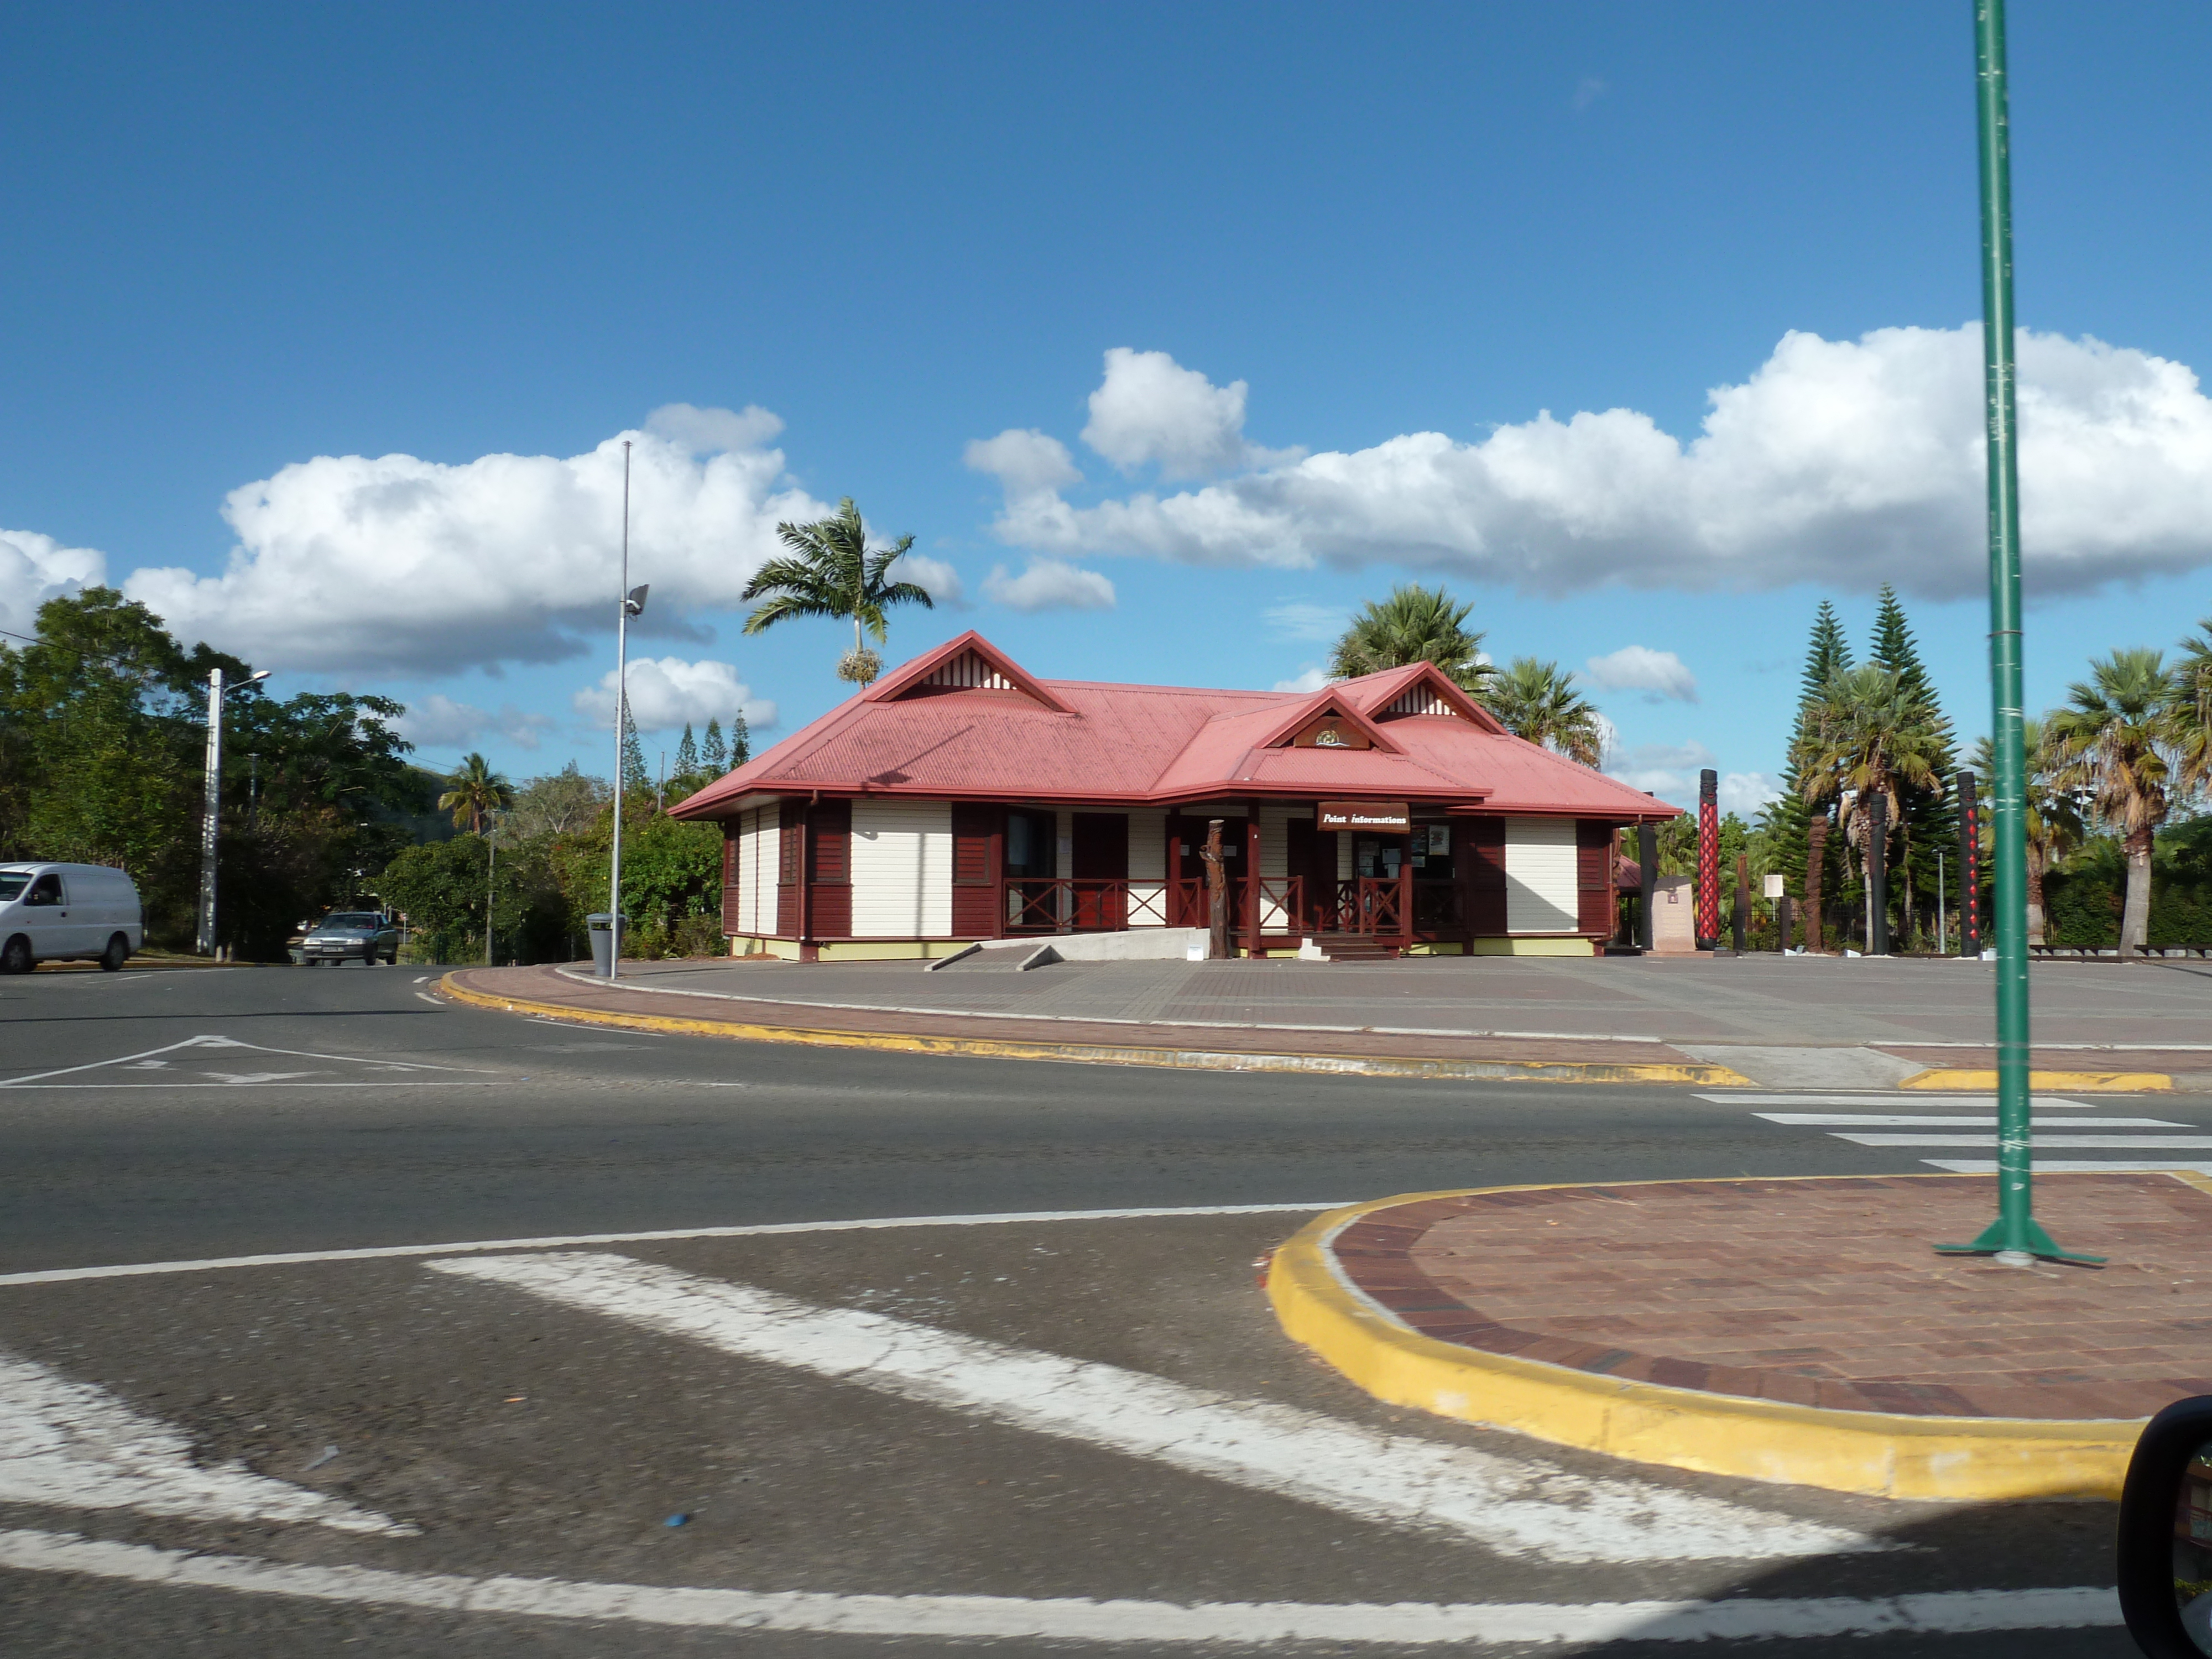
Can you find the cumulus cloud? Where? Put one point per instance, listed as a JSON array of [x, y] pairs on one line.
[[1050, 585], [1025, 463], [1670, 772], [940, 580], [1746, 793], [395, 563], [668, 692], [1150, 409], [1659, 674], [34, 568], [1846, 463], [1311, 679], [1295, 619], [437, 721]]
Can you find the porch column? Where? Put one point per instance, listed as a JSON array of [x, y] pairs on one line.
[[1252, 878]]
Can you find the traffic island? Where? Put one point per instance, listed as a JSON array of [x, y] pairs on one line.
[[1797, 1330]]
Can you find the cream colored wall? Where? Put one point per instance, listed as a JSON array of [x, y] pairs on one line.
[[756, 870], [1148, 865], [1540, 890], [902, 869]]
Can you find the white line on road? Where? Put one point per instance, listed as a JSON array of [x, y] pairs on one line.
[[1069, 1618], [432, 1001], [2076, 1166], [233, 1043], [75, 1446], [2042, 1143], [1987, 1101], [422, 978], [1904, 1120], [1515, 1507], [572, 1241]]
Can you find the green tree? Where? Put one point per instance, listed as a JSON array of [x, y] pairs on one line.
[[687, 754], [636, 778], [2112, 742], [560, 803], [1869, 737], [2193, 699], [741, 740], [1786, 822], [714, 753], [1926, 816], [1414, 624], [474, 792], [1537, 702], [2054, 818], [832, 572]]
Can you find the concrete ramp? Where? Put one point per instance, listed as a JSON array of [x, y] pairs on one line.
[[1807, 1069]]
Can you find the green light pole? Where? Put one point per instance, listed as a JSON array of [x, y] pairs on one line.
[[2014, 1236]]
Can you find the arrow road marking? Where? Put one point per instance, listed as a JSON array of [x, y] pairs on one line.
[[74, 1446], [1073, 1618], [1513, 1507], [151, 1060]]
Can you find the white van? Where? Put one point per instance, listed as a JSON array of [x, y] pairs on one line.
[[59, 910]]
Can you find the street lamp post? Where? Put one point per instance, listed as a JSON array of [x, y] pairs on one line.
[[211, 817], [2014, 1237], [630, 603]]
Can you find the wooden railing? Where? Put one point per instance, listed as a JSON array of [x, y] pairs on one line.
[[1372, 904]]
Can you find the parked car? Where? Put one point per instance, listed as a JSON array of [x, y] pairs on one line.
[[50, 912], [362, 936]]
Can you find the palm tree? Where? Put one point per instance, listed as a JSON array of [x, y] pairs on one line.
[[475, 791], [2054, 817], [2116, 741], [1536, 702], [1869, 734], [2192, 686], [1412, 625], [832, 573]]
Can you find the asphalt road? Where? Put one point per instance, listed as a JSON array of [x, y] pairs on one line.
[[467, 1426]]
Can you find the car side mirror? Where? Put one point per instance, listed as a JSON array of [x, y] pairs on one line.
[[2165, 1533]]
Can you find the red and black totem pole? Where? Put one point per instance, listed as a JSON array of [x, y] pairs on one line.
[[1709, 860]]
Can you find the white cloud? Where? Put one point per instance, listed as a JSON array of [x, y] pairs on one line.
[[393, 562], [1847, 463], [668, 692], [1050, 585], [1025, 463], [1150, 409], [34, 568], [1295, 619], [1746, 793], [1670, 772], [1659, 674], [436, 721], [939, 579], [1311, 679]]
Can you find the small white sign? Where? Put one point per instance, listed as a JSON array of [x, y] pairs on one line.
[[1773, 886]]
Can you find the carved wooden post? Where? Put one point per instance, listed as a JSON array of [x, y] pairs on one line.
[[1816, 861], [1217, 895]]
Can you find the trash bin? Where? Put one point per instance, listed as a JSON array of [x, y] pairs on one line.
[[601, 927]]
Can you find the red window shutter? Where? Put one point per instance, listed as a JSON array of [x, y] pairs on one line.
[[1485, 840], [976, 858], [832, 826], [1594, 876]]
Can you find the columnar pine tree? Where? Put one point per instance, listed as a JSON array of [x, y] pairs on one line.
[[687, 754], [1784, 821], [1927, 820], [714, 753], [741, 740], [635, 775]]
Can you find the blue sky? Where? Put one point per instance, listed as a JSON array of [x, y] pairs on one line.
[[253, 252]]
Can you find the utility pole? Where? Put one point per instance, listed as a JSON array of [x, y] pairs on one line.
[[211, 813], [491, 869], [2014, 1237], [629, 602]]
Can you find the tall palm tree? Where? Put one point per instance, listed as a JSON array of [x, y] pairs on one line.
[[832, 572], [2054, 817], [1536, 701], [2192, 686], [474, 792], [1869, 733], [2116, 741], [1412, 625]]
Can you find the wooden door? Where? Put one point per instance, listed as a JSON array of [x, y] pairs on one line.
[[1100, 856]]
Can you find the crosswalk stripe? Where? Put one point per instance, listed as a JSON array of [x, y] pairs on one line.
[[1515, 1507], [2042, 1143], [2075, 1166], [1872, 1097], [1909, 1120], [1076, 1619]]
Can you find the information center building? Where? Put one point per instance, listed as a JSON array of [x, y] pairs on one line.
[[959, 797]]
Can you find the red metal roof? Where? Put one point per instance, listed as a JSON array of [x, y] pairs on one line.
[[964, 721]]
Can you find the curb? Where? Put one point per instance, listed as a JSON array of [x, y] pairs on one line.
[[1877, 1454], [1105, 1054], [2080, 1083]]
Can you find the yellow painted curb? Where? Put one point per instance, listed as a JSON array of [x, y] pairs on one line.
[[2081, 1083], [1879, 1453], [1103, 1054]]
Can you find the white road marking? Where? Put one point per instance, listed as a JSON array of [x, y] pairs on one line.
[[1987, 1101], [1514, 1507], [74, 1446], [125, 1062], [426, 997], [422, 978], [2075, 1166], [1904, 1120], [2040, 1143], [572, 1241], [984, 1618], [259, 1077]]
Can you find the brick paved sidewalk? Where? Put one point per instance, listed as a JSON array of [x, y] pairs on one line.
[[1817, 1293]]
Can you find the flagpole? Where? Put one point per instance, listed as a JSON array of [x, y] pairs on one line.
[[621, 686]]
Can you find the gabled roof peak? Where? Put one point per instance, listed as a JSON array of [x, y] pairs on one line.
[[967, 663]]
